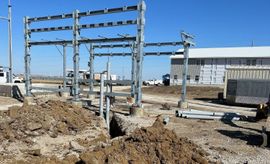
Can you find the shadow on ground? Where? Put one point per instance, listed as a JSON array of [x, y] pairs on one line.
[[250, 137]]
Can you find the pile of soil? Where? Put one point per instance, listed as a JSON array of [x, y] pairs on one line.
[[52, 118], [154, 144], [193, 92]]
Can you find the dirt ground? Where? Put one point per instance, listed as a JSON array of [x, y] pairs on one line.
[[227, 142], [193, 92], [53, 131], [50, 129]]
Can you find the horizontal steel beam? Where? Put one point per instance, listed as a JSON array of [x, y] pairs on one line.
[[4, 18], [145, 45], [50, 89], [163, 44], [112, 54], [123, 82], [83, 41], [145, 54], [84, 14], [86, 26], [111, 94], [87, 81], [162, 53]]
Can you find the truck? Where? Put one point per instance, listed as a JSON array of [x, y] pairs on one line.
[[84, 74], [5, 75], [166, 79]]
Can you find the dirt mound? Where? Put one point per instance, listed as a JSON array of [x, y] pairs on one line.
[[148, 145], [51, 117]]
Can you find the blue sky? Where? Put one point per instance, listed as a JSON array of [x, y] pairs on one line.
[[215, 23]]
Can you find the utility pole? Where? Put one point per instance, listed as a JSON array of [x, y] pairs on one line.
[[9, 19], [10, 42]]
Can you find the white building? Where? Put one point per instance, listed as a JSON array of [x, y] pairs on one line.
[[208, 65]]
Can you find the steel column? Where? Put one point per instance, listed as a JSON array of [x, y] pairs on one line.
[[187, 42], [108, 75], [133, 70], [140, 52], [27, 57], [64, 66], [10, 42], [108, 102], [76, 58], [91, 68], [108, 89], [185, 72], [101, 95]]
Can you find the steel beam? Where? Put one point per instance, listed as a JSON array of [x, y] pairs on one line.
[[64, 66], [10, 43], [111, 94], [27, 57], [162, 53], [187, 40], [133, 69], [144, 54], [185, 73], [163, 44], [108, 76], [86, 26], [84, 14], [50, 89], [140, 52], [159, 44], [91, 68], [101, 95], [108, 105], [82, 41], [123, 82], [76, 58]]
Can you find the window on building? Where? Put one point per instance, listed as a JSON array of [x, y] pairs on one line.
[[202, 62], [175, 77], [1, 74], [248, 62], [198, 62], [188, 77], [254, 62], [197, 78], [223, 79]]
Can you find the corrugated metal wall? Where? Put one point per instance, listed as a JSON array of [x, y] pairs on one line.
[[248, 73], [213, 70]]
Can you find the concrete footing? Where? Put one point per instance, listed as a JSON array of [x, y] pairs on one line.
[[91, 97], [136, 111], [65, 94], [183, 105], [77, 103], [28, 100]]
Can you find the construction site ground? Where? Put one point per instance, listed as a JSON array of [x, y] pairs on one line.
[[229, 142], [220, 141]]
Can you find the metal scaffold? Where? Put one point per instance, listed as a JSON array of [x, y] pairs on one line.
[[135, 43]]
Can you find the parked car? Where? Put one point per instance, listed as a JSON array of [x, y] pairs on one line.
[[152, 82]]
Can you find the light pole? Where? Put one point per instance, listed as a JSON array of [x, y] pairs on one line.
[[9, 19]]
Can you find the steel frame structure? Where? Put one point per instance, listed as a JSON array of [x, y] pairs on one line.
[[137, 45], [76, 41]]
